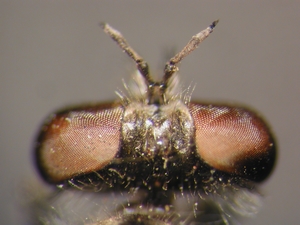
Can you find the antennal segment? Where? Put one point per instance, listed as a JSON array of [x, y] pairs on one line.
[[171, 66], [141, 63], [156, 90]]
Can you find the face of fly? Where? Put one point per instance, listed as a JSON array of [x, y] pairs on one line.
[[156, 142]]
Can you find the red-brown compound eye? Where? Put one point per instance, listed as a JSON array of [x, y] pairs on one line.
[[78, 142], [233, 140]]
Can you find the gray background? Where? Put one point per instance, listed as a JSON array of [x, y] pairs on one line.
[[53, 54]]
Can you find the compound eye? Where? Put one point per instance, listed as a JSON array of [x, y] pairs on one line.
[[78, 142], [233, 140]]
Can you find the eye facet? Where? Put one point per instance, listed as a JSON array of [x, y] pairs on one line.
[[78, 142], [233, 140]]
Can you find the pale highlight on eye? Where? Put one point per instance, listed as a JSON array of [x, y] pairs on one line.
[[228, 138], [79, 143]]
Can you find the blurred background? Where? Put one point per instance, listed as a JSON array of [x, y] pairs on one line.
[[53, 54]]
